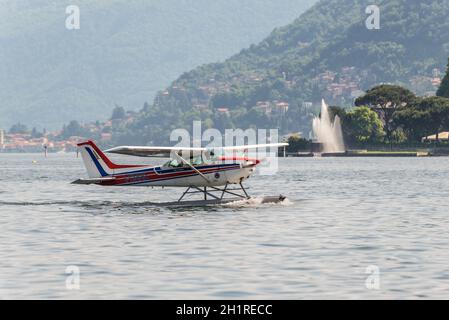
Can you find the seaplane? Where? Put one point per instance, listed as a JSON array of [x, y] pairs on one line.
[[207, 172]]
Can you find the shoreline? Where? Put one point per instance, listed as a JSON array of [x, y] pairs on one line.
[[366, 154]]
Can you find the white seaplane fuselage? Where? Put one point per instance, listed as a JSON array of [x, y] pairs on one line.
[[104, 172]]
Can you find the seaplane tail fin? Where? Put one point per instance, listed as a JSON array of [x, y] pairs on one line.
[[95, 160], [98, 164]]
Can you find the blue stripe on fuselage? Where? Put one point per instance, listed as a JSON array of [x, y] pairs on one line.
[[160, 170]]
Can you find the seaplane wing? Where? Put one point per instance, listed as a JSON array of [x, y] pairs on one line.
[[252, 147], [167, 151], [153, 151]]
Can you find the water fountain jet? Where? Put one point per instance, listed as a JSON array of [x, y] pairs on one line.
[[328, 133]]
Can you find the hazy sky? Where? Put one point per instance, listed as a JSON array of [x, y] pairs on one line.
[[123, 53]]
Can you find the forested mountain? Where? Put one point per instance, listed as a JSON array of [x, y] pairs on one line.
[[123, 53], [327, 52]]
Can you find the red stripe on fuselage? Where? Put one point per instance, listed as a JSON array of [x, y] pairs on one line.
[[152, 176]]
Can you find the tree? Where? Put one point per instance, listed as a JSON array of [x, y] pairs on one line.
[[36, 134], [426, 117], [118, 113], [412, 121], [73, 129], [18, 128], [337, 111], [362, 125], [436, 113], [443, 90], [386, 100], [146, 106], [296, 143]]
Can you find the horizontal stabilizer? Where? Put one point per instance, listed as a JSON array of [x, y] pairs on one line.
[[93, 181]]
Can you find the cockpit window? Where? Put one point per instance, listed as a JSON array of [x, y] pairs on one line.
[[174, 164], [198, 160]]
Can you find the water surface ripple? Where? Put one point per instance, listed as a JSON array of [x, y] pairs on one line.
[[343, 215]]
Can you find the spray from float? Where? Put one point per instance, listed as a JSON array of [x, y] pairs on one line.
[[328, 133]]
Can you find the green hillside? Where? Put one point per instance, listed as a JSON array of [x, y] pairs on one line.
[[327, 52], [124, 52]]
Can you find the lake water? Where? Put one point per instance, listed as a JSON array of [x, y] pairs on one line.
[[344, 217]]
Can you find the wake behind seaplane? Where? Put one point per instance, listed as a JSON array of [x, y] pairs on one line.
[[200, 170]]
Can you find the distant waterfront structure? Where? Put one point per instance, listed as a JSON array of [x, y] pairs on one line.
[[307, 105], [2, 139], [442, 136], [436, 73]]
